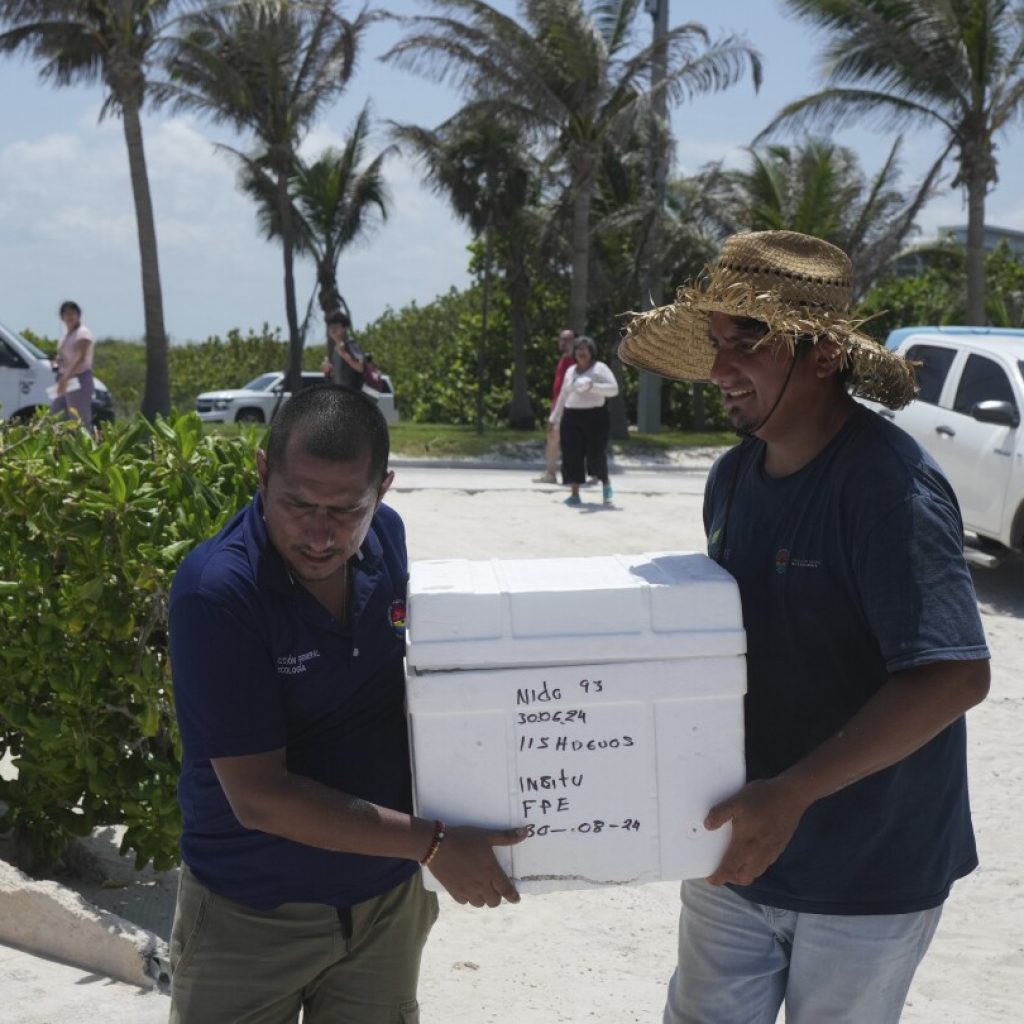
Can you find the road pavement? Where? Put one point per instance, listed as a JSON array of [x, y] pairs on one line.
[[632, 480]]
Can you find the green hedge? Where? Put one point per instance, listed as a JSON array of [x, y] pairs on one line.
[[429, 351], [91, 532]]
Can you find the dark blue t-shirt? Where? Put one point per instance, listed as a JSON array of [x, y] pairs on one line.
[[850, 570], [259, 664]]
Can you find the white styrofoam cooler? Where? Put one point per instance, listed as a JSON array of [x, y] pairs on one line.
[[598, 700]]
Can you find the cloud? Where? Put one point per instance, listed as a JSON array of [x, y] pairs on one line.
[[67, 223]]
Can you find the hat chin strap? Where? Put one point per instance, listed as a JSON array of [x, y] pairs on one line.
[[748, 432]]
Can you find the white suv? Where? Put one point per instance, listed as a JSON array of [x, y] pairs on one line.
[[967, 416], [259, 400]]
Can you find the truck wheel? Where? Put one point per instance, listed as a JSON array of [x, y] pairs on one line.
[[249, 416]]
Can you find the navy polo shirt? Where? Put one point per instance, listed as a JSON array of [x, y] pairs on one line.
[[851, 570], [259, 664]]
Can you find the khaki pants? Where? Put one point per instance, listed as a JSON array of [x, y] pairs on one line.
[[232, 964]]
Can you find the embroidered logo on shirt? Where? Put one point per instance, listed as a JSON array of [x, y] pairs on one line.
[[397, 615], [293, 664], [784, 561]]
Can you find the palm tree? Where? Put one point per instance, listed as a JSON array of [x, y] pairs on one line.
[[335, 200], [477, 160], [631, 222], [268, 67], [819, 188], [111, 43], [572, 77], [954, 64]]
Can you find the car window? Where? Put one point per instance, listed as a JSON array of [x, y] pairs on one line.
[[8, 357], [264, 382], [931, 374], [33, 350], [983, 380]]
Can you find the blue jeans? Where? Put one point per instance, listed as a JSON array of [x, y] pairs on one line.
[[739, 961]]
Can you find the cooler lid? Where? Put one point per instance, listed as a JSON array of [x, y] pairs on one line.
[[552, 611]]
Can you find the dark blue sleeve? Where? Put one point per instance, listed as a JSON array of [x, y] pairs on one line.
[[915, 587], [226, 691]]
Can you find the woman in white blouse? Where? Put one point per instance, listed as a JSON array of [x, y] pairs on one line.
[[583, 413]]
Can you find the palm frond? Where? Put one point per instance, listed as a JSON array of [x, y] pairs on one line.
[[839, 108]]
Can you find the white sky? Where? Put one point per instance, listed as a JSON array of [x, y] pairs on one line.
[[67, 222]]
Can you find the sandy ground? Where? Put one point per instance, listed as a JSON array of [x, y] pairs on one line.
[[606, 955]]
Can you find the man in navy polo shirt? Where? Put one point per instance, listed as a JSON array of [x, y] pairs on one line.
[[300, 888], [864, 650]]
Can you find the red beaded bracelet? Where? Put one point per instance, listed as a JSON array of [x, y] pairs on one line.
[[435, 843]]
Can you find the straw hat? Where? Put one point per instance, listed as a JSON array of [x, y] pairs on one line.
[[797, 285]]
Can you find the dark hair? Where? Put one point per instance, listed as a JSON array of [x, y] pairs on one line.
[[335, 424], [337, 317], [73, 306], [805, 343], [582, 341], [757, 327]]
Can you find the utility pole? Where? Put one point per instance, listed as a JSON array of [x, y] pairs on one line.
[[648, 418]]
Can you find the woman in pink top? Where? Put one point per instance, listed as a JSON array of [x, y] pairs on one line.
[[74, 367]]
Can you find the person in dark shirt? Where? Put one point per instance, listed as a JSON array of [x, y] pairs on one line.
[[345, 362], [301, 887], [864, 650]]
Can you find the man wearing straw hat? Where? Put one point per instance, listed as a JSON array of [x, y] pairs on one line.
[[864, 650]]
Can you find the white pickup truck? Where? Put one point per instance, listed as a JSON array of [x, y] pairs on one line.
[[967, 416]]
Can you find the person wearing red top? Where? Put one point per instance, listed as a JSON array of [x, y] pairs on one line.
[[565, 360]]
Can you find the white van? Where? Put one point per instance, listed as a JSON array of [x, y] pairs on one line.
[[26, 373]]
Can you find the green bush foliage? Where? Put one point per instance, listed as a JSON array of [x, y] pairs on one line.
[[229, 363], [939, 294], [91, 532], [430, 353]]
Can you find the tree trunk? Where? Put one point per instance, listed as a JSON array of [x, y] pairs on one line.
[[520, 415], [648, 410], [156, 396], [284, 209], [977, 186], [328, 295], [583, 189], [481, 345], [698, 411]]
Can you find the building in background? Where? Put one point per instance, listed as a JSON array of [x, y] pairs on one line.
[[918, 257]]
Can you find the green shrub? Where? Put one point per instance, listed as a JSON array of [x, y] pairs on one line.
[[91, 532], [229, 362]]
